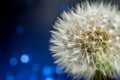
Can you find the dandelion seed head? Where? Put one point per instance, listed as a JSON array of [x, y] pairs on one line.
[[97, 38], [111, 31], [117, 38], [86, 39]]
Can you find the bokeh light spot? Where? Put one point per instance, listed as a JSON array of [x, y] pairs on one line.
[[47, 71], [10, 77], [13, 61], [24, 58], [19, 29], [49, 78]]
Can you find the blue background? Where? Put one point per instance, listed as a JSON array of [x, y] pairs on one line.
[[24, 39]]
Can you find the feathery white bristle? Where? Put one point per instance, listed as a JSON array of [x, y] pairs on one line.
[[76, 40]]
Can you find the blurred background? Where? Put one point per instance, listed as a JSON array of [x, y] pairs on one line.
[[24, 38]]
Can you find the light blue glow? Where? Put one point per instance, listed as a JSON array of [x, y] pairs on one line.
[[19, 29], [49, 78], [13, 61], [10, 77], [47, 71], [59, 70], [24, 58], [35, 67]]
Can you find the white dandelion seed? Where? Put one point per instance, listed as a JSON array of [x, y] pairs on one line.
[[86, 41]]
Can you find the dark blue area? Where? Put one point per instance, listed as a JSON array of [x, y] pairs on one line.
[[64, 7], [19, 29], [24, 39]]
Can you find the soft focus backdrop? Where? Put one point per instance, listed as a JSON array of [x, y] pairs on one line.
[[24, 38]]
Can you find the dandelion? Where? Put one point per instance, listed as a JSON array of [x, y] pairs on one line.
[[86, 41]]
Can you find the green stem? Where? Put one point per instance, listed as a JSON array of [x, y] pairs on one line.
[[99, 76], [103, 66]]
